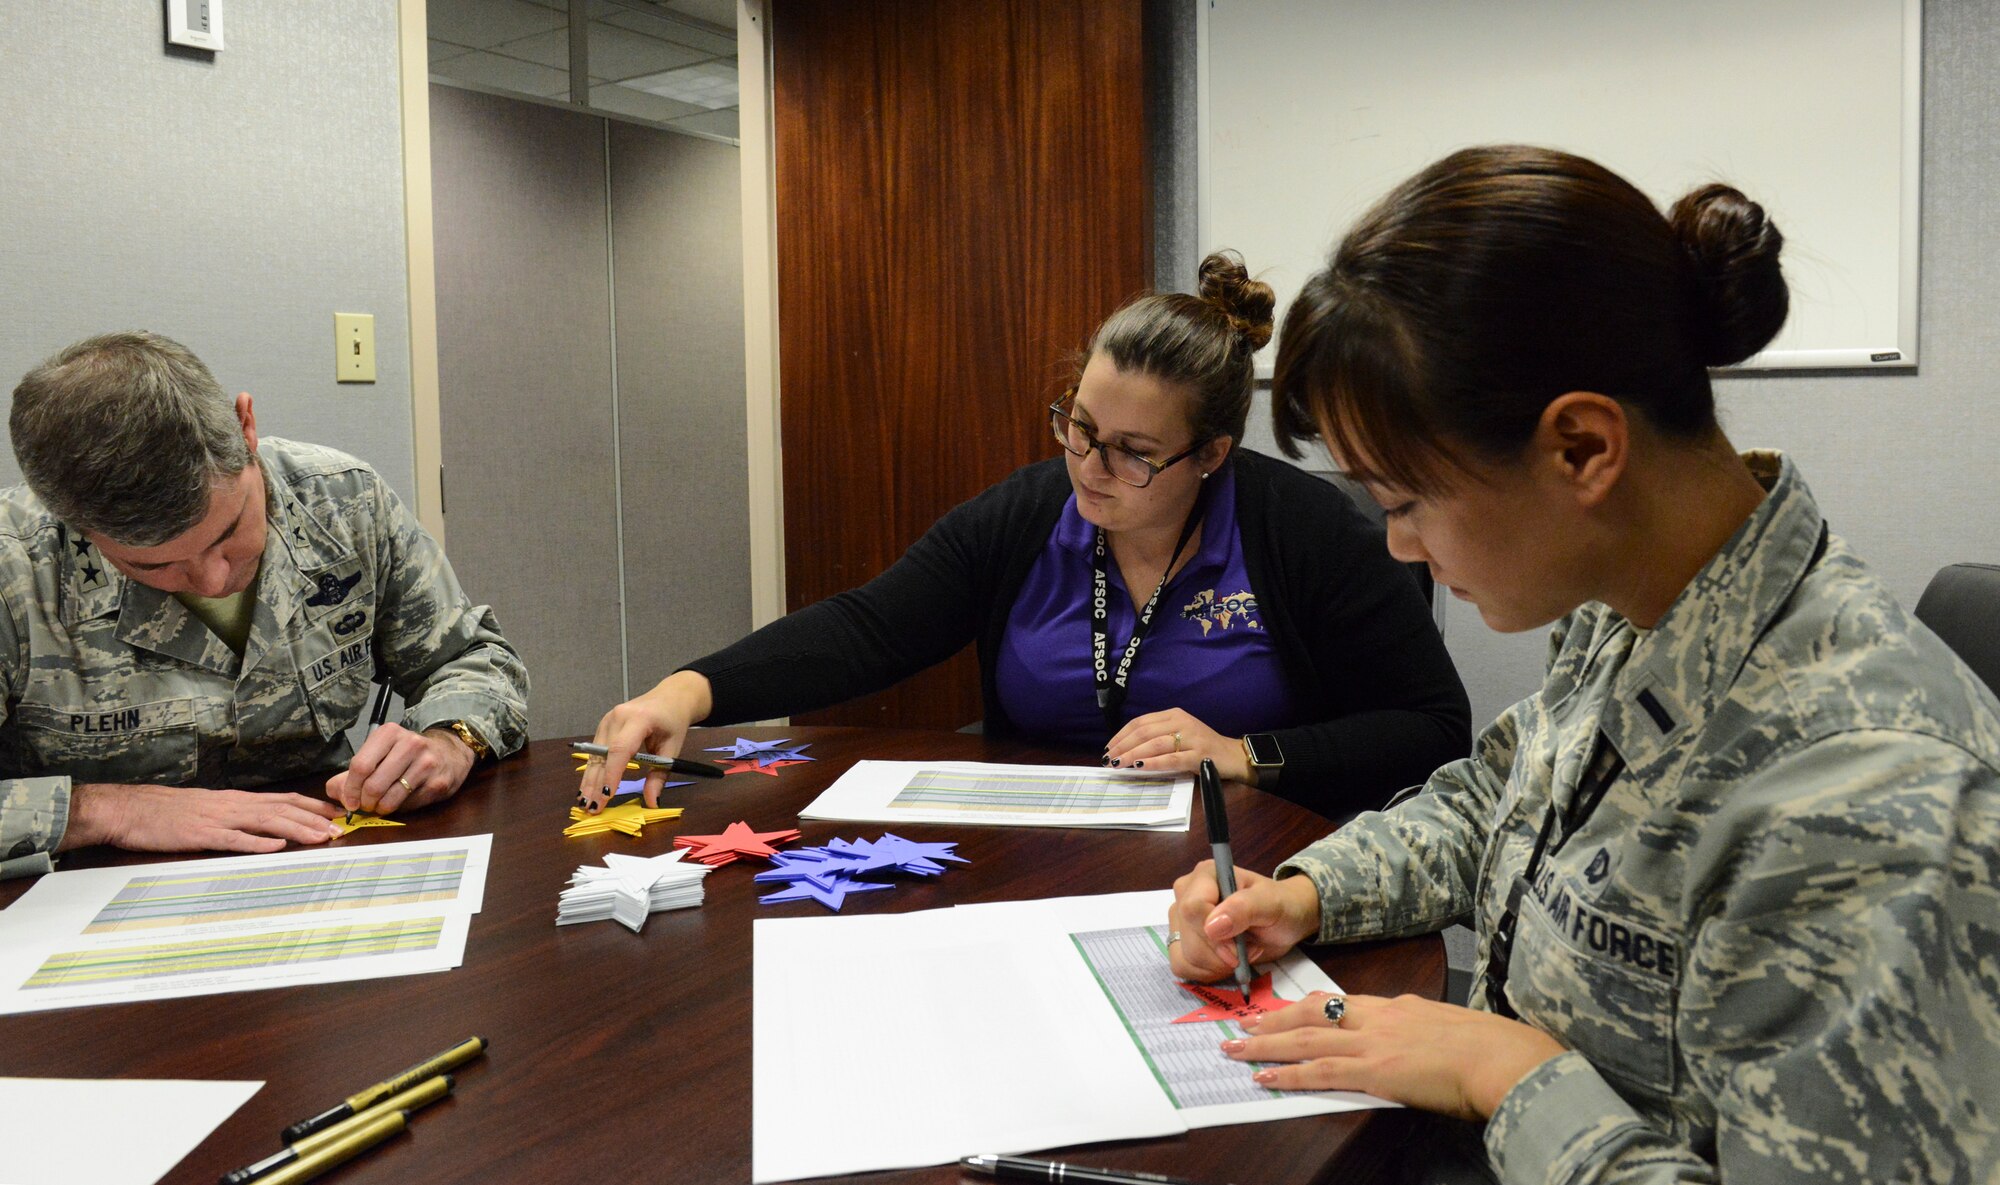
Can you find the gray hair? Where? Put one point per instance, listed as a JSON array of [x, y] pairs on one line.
[[125, 435]]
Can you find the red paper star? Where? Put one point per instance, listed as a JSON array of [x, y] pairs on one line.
[[736, 840], [1224, 1001], [751, 767]]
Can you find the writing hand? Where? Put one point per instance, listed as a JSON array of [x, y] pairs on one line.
[[1276, 915], [397, 769]]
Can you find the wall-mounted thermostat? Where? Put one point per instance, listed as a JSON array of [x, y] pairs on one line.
[[196, 23]]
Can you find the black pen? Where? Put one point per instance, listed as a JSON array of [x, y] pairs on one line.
[[1020, 1168], [1225, 864], [680, 765], [450, 1059], [376, 716]]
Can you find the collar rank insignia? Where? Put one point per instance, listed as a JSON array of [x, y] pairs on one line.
[[332, 589]]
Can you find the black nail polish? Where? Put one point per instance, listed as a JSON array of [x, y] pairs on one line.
[[1104, 761], [1138, 765], [1114, 765]]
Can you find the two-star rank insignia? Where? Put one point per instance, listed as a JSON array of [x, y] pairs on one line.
[[332, 589]]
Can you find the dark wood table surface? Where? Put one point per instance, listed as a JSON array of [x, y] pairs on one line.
[[626, 1057]]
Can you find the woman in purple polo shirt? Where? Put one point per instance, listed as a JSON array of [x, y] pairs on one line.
[[1154, 594]]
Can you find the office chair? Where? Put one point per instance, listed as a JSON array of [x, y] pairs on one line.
[[1961, 604]]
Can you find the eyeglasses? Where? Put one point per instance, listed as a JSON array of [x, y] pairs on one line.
[[1120, 462]]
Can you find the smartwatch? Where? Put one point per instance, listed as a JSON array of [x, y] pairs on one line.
[[1266, 759]]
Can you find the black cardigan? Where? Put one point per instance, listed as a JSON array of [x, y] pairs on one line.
[[1351, 629]]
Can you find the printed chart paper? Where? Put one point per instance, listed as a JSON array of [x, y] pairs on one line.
[[52, 1130], [158, 931], [1034, 1050], [953, 792]]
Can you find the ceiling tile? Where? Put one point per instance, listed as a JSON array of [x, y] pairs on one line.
[[621, 53], [549, 49], [507, 74], [707, 84], [715, 12], [667, 29], [484, 24], [441, 50]]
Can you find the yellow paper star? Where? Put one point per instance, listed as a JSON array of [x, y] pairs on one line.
[[630, 818], [363, 819]]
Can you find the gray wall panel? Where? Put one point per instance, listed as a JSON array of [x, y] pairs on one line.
[[677, 220], [232, 201], [524, 355]]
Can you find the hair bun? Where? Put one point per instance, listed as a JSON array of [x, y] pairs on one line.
[[1740, 296], [1249, 304]]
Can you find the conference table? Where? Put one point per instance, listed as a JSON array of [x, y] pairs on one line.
[[626, 1057]]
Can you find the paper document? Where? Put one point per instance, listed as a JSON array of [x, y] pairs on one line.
[[52, 1130], [197, 927], [1007, 795], [1031, 1025]]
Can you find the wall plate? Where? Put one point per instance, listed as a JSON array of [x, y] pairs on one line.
[[195, 23]]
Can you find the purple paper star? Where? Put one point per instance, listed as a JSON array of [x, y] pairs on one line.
[[831, 896], [748, 748], [638, 785], [809, 865]]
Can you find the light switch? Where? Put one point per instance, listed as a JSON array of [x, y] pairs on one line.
[[195, 23], [354, 347]]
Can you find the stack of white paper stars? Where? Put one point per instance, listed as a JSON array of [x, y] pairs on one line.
[[628, 888]]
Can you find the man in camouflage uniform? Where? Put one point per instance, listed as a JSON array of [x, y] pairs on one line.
[[189, 608], [1772, 949]]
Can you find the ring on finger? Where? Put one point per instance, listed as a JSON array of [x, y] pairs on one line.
[[405, 784], [1334, 1009], [1173, 936], [1177, 742]]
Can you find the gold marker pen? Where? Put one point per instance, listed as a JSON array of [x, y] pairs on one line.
[[423, 1094], [346, 1148], [450, 1059]]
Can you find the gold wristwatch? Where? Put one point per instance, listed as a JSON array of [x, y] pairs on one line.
[[481, 751]]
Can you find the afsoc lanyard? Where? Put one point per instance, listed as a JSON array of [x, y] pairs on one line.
[[1112, 689]]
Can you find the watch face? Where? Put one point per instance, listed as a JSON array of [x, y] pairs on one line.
[[1264, 749]]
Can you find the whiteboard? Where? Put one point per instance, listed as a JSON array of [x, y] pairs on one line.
[[1311, 110]]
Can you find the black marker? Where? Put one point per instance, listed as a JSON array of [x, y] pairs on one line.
[[376, 716], [1020, 1168], [424, 1093], [680, 765], [1225, 864]]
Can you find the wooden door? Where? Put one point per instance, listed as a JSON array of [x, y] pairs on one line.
[[962, 195]]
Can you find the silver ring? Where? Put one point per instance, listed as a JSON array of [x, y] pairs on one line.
[[1173, 936], [1177, 742], [1334, 1008]]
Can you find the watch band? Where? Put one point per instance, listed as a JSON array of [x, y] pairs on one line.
[[481, 751], [1266, 776]]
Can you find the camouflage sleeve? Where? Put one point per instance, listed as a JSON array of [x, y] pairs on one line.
[[445, 656], [1413, 868], [34, 813], [1837, 1008]]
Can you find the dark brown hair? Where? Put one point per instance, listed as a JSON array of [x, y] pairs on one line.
[[1502, 277], [1202, 342]]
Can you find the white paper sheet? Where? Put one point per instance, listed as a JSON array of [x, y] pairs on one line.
[[52, 1130], [198, 927], [985, 1027], [990, 794]]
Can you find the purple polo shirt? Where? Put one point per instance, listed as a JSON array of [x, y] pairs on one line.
[[1207, 652]]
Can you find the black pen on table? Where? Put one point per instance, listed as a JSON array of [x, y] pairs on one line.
[[423, 1094], [1020, 1168], [376, 715], [1225, 864], [680, 765]]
